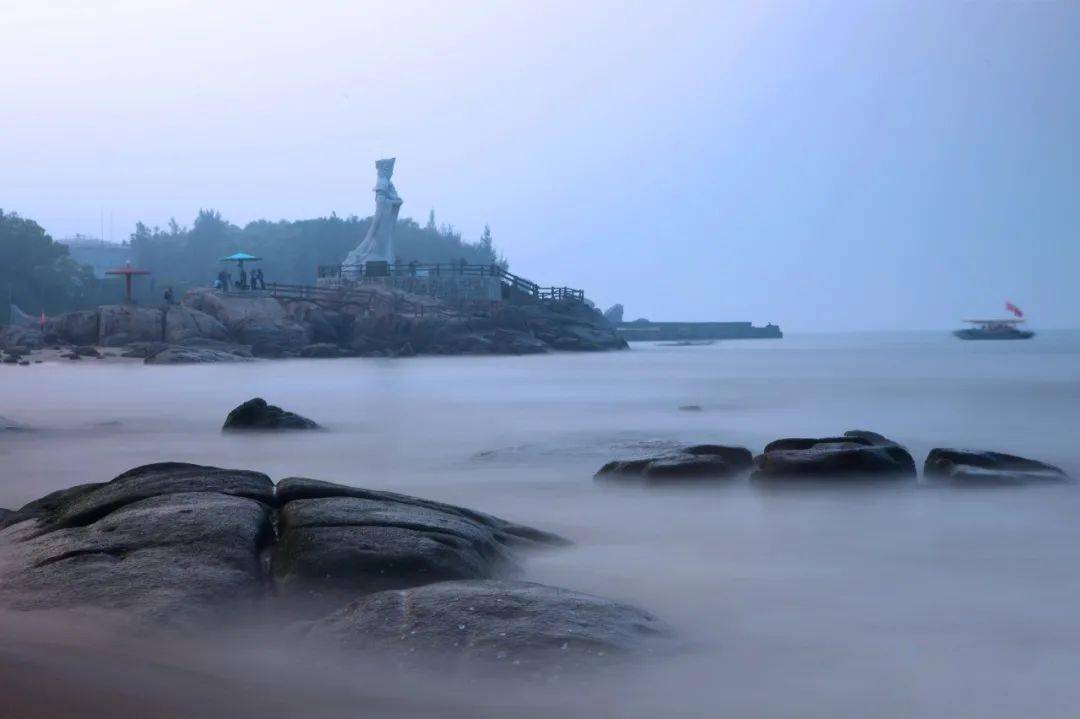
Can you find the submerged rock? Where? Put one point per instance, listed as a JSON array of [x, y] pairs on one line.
[[702, 461], [336, 542], [856, 455], [257, 414], [519, 626], [975, 467]]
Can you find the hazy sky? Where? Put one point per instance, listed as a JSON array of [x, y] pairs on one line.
[[823, 165]]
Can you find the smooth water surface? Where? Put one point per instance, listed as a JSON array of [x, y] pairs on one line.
[[869, 601]]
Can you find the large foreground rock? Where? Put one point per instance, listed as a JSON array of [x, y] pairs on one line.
[[856, 455], [520, 626], [171, 543], [977, 467], [696, 462], [257, 414], [336, 542]]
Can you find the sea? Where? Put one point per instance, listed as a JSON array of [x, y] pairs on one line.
[[902, 600]]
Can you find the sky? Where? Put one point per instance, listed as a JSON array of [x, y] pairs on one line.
[[828, 166]]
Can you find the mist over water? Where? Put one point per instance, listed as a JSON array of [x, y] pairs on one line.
[[888, 601]]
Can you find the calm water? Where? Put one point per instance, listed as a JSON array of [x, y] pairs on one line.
[[850, 602]]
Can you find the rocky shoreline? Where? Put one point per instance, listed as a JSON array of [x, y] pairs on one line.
[[211, 326]]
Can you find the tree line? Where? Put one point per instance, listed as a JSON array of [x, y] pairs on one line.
[[38, 274]]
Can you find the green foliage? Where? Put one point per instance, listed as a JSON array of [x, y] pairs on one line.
[[292, 251], [38, 274]]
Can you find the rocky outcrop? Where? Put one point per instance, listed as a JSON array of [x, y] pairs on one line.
[[77, 328], [572, 326], [337, 542], [177, 354], [186, 323], [120, 324], [977, 467], [696, 462], [856, 455], [322, 350], [257, 414], [23, 338], [614, 314], [258, 321], [519, 627]]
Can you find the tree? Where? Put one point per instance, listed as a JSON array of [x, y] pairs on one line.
[[38, 274]]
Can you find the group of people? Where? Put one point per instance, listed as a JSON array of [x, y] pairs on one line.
[[256, 281]]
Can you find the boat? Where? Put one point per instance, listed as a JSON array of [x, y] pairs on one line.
[[994, 330], [997, 329]]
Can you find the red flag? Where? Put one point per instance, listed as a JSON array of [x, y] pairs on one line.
[[1014, 309]]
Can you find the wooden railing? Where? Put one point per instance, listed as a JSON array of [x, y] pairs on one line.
[[414, 269]]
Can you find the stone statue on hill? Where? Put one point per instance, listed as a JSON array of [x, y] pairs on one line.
[[378, 244]]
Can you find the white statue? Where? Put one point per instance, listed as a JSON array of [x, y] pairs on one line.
[[378, 244]]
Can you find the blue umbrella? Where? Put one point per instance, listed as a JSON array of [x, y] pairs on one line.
[[240, 257]]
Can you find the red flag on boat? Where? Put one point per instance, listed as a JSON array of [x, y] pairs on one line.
[[1014, 309]]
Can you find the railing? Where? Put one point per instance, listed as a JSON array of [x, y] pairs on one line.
[[559, 294], [415, 269]]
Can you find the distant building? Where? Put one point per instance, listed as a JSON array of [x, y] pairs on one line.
[[99, 254]]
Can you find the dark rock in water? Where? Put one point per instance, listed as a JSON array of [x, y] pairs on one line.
[[257, 414], [180, 545], [976, 467], [856, 455], [335, 542], [172, 543], [87, 351], [690, 408], [702, 461], [520, 627], [192, 355]]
